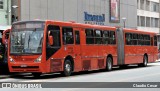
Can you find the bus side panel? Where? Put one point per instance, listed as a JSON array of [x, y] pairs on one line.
[[155, 51], [109, 50], [89, 57], [77, 51], [135, 54]]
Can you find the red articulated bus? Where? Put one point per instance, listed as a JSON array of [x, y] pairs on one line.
[[53, 46]]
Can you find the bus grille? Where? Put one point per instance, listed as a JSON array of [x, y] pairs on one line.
[[28, 67]]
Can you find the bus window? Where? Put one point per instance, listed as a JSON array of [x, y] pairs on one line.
[[155, 40], [112, 37], [140, 39], [146, 40], [89, 36], [77, 36], [98, 37], [152, 41], [106, 37], [128, 38], [68, 36], [135, 39], [55, 32]]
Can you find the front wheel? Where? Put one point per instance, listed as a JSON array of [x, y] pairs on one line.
[[109, 64], [67, 68]]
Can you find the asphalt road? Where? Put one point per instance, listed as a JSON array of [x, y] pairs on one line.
[[129, 74]]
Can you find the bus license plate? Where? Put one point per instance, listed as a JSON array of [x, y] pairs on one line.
[[23, 66]]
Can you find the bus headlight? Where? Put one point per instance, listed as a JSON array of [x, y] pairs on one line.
[[11, 60], [38, 59]]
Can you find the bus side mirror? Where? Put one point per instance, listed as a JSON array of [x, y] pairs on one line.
[[50, 39]]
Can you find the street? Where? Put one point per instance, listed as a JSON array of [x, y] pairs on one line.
[[129, 74]]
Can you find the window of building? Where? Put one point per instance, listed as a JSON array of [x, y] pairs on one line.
[[89, 36], [155, 22], [142, 21], [138, 4], [147, 5], [138, 23], [67, 35], [142, 4], [154, 7], [148, 21], [152, 22], [1, 4]]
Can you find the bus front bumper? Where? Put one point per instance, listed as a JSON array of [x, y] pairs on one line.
[[21, 67]]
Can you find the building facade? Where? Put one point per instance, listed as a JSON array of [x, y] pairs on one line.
[[5, 12], [148, 15], [100, 12]]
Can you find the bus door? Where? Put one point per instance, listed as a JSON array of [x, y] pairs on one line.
[[155, 50], [71, 42], [120, 47], [77, 50]]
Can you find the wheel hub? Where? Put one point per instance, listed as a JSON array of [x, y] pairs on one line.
[[68, 67]]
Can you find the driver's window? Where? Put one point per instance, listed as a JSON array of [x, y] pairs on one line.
[[55, 32]]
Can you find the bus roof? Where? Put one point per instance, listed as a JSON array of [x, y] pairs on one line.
[[28, 21], [86, 26], [139, 31], [81, 25]]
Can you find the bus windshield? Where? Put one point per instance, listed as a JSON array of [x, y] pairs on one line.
[[26, 39]]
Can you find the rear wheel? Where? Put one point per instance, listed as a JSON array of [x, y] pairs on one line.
[[36, 74], [67, 68], [109, 64], [145, 62]]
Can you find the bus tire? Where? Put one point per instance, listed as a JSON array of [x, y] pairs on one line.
[[145, 62], [36, 74], [67, 68], [109, 64]]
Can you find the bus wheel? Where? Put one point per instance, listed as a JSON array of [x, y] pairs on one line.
[[109, 64], [36, 74], [145, 62], [67, 68]]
